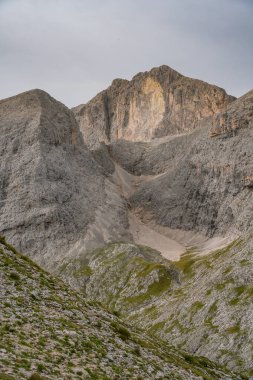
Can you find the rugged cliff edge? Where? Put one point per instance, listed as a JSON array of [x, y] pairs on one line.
[[205, 184], [50, 184], [153, 104]]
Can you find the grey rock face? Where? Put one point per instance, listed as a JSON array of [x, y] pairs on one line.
[[153, 104], [176, 152], [50, 184], [238, 115], [203, 183], [203, 187]]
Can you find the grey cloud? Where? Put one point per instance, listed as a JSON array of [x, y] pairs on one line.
[[75, 48]]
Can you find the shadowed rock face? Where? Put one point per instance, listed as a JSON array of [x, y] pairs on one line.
[[236, 116], [200, 183], [50, 185], [153, 104]]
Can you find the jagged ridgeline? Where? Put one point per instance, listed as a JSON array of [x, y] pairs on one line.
[[157, 103], [141, 200]]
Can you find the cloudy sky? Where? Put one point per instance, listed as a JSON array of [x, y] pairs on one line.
[[75, 48]]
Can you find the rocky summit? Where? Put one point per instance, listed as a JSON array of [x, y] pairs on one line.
[[153, 104], [139, 205], [48, 176]]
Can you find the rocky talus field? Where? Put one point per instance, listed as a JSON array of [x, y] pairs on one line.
[[133, 216]]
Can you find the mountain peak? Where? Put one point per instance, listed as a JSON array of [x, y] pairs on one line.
[[161, 73], [33, 93], [154, 103]]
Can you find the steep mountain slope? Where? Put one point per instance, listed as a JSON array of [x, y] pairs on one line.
[[176, 174], [58, 198], [200, 182], [153, 104], [109, 274], [185, 187], [48, 328], [237, 115], [202, 303], [50, 184]]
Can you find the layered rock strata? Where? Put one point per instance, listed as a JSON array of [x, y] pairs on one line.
[[153, 104]]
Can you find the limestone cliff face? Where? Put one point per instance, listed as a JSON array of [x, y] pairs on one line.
[[237, 116], [153, 104], [50, 185], [199, 182]]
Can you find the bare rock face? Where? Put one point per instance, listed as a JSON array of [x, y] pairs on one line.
[[176, 165], [50, 184], [238, 115], [196, 183], [153, 104]]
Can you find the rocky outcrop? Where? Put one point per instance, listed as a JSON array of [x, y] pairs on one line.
[[198, 183], [153, 104], [248, 181], [50, 184], [236, 116]]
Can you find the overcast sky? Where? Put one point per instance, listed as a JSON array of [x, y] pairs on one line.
[[75, 48]]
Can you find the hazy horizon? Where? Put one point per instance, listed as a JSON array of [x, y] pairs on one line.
[[74, 49]]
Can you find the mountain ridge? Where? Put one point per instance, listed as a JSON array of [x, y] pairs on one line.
[[153, 104], [162, 160]]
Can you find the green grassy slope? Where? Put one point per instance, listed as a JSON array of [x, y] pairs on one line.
[[203, 304], [48, 331]]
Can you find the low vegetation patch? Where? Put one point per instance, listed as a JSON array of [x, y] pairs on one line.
[[123, 332]]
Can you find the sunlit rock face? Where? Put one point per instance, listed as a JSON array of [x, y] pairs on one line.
[[153, 104]]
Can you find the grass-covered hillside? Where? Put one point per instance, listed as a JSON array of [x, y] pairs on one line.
[[48, 331], [203, 304]]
